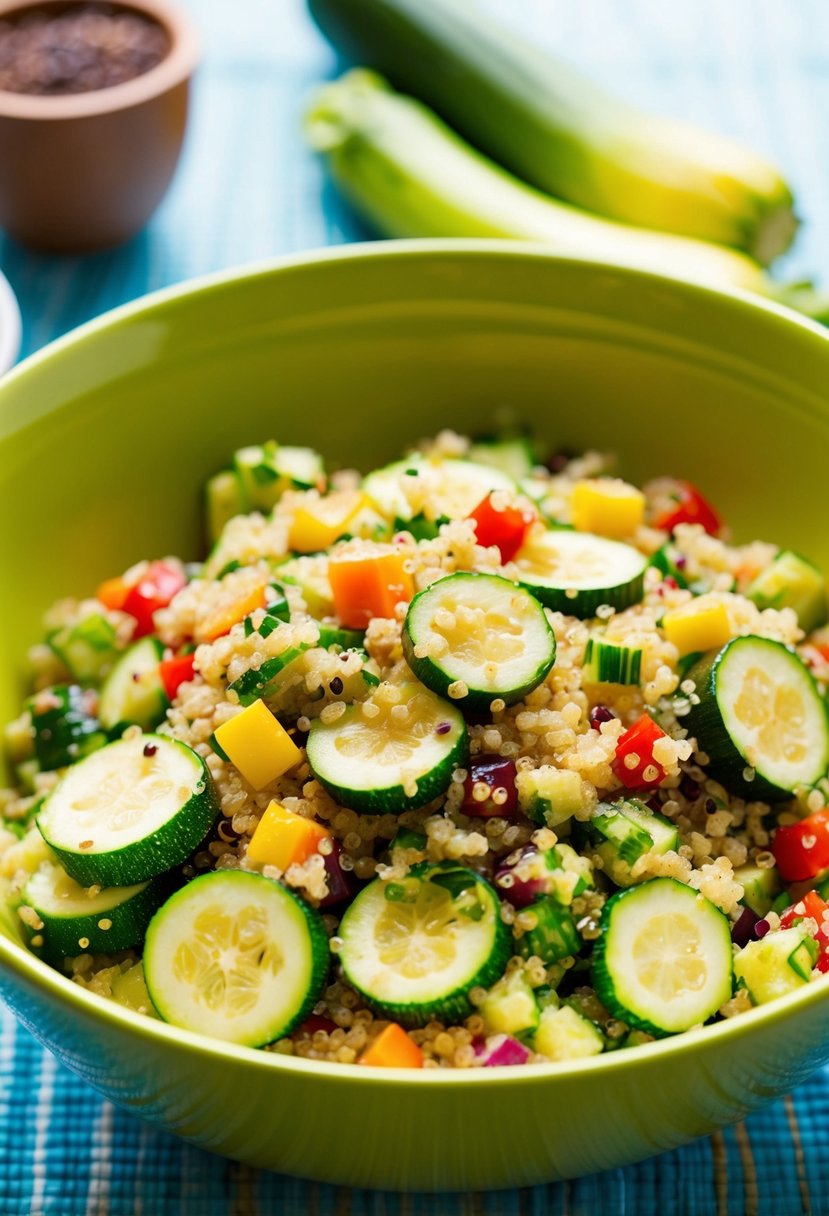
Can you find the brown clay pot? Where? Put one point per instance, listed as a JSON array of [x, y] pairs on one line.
[[86, 171]]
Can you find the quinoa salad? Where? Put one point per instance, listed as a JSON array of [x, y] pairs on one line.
[[485, 758]]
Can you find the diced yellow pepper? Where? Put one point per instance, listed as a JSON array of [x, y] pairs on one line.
[[607, 506], [258, 745], [283, 838], [702, 625], [317, 522]]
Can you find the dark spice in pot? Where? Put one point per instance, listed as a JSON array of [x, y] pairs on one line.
[[49, 52]]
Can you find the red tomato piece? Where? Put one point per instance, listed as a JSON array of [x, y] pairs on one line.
[[506, 529], [155, 589], [175, 672], [691, 508], [801, 850], [633, 763]]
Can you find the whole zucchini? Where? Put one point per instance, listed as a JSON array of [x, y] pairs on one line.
[[551, 126], [410, 175]]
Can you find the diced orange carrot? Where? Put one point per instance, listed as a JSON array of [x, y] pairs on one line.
[[283, 838], [230, 612], [366, 585], [393, 1049], [112, 593]]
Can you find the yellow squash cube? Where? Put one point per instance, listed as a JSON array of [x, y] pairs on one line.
[[318, 522], [257, 745], [607, 506], [701, 625], [282, 838]]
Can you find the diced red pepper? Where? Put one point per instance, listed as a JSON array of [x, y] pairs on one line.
[[175, 672], [813, 906], [691, 508], [633, 763], [506, 528], [496, 774], [155, 589], [801, 850]]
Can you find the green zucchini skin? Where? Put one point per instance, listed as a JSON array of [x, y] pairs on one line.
[[558, 131]]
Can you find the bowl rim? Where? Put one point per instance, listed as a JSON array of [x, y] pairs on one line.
[[10, 325], [21, 961], [177, 65]]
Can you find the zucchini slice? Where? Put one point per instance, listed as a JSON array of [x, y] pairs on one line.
[[483, 631], [576, 572], [554, 935], [400, 758], [626, 830], [88, 648], [664, 961], [75, 920], [236, 956], [130, 811], [437, 489], [415, 949], [760, 719], [133, 694]]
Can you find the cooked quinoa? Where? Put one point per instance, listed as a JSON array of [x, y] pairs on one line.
[[570, 728]]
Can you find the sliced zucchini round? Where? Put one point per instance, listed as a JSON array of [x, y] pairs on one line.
[[576, 572], [435, 489], [133, 693], [760, 719], [663, 962], [485, 632], [415, 949], [236, 956], [75, 920], [393, 761], [130, 811]]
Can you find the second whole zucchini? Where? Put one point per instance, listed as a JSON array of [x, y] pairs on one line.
[[560, 132]]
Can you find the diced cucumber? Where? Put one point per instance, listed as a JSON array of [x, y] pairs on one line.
[[792, 582], [513, 456], [75, 921], [549, 796], [343, 639], [65, 726], [760, 887], [627, 830], [760, 719], [576, 572], [223, 502], [437, 489], [235, 956], [277, 612], [416, 950], [389, 762], [510, 1006], [611, 662], [133, 693], [554, 935], [663, 961], [129, 812], [419, 526], [270, 678], [310, 575], [563, 1034], [87, 648], [266, 471], [482, 631], [780, 962]]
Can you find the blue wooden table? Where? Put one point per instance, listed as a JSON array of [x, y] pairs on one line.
[[247, 189]]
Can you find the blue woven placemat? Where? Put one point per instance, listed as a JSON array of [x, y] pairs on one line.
[[756, 69]]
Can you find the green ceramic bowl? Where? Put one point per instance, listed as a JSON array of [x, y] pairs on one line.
[[105, 440]]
